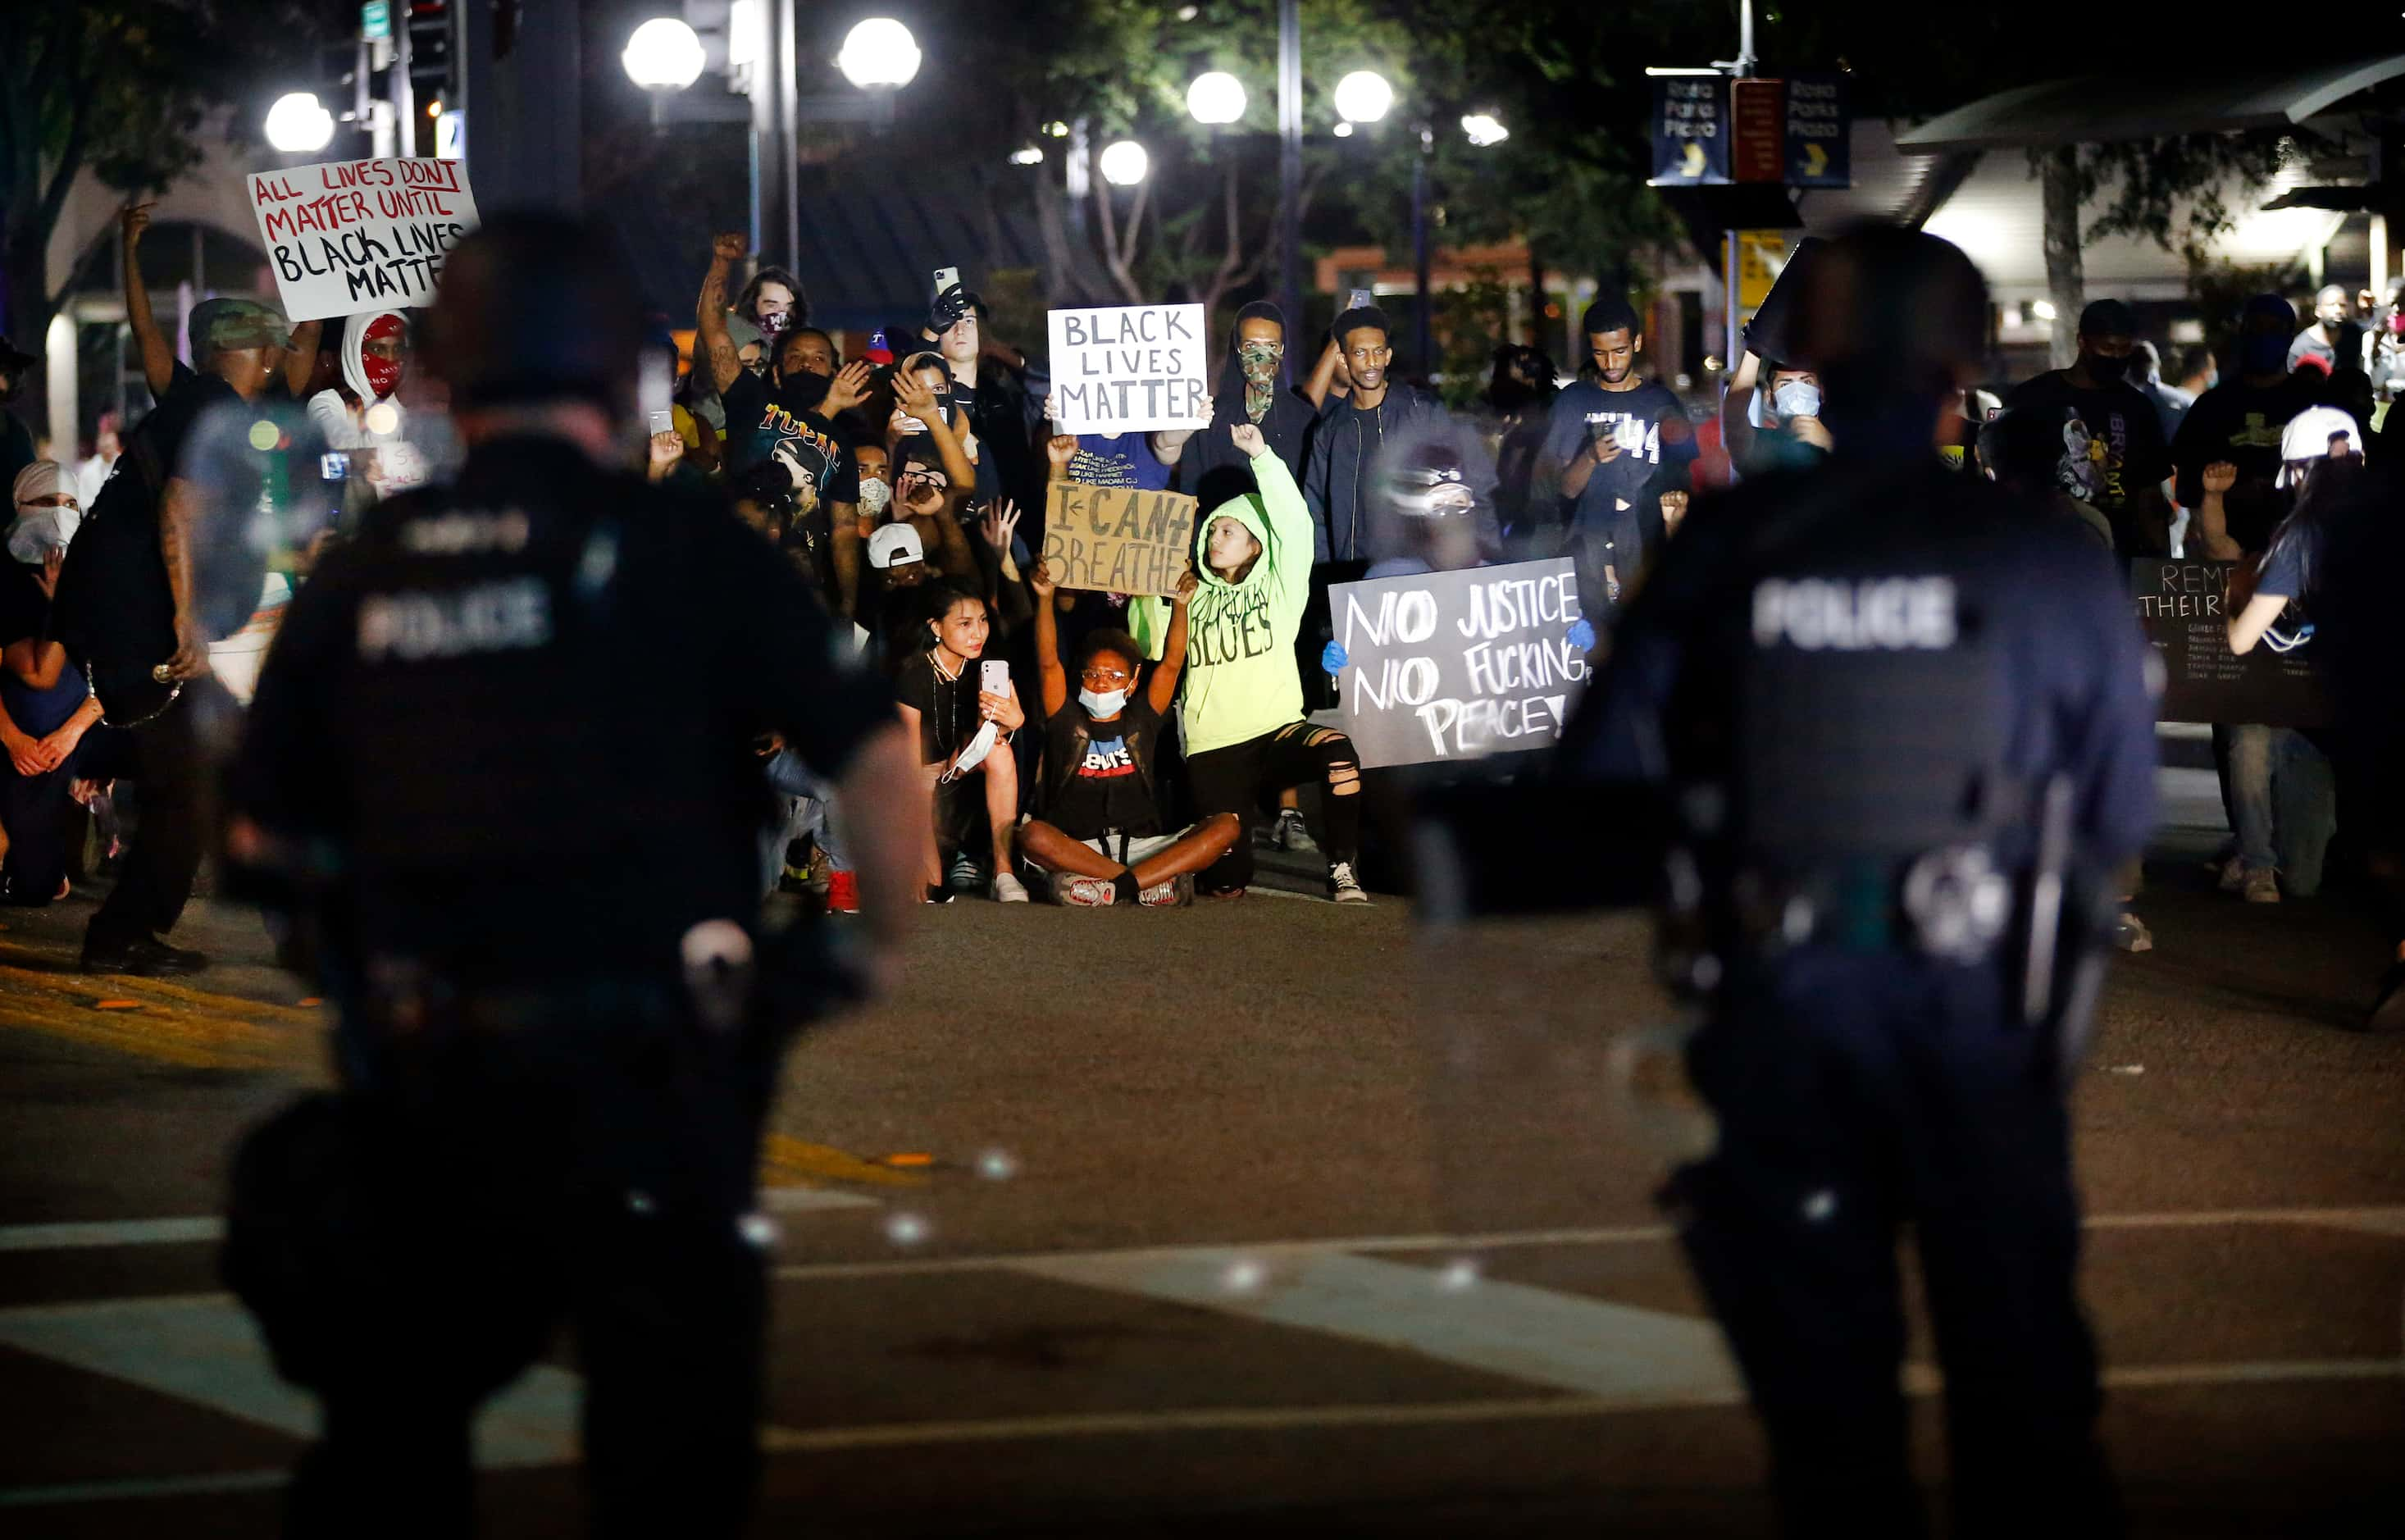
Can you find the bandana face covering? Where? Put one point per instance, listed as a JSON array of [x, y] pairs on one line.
[[383, 374], [1259, 362]]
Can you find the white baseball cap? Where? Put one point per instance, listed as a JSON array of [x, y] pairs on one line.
[[895, 545], [2313, 433]]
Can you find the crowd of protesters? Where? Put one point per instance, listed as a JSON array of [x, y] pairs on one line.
[[908, 481]]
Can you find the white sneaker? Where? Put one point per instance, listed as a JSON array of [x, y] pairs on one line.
[[1343, 887], [2233, 875], [1292, 833], [1008, 889], [2262, 886]]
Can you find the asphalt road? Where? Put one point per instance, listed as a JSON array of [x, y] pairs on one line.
[[1264, 1217]]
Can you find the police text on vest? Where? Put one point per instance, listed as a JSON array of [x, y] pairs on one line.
[[1855, 614]]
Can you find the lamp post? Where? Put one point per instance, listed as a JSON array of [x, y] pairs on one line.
[[878, 58], [298, 124]]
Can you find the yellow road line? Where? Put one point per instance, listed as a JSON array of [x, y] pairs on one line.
[[25, 965], [788, 1162]]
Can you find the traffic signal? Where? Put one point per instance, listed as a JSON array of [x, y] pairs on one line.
[[432, 56]]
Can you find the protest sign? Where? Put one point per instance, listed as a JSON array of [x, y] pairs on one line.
[[1133, 368], [1118, 540], [2182, 606], [351, 236], [1447, 666]]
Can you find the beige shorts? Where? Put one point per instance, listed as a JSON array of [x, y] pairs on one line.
[[1140, 847]]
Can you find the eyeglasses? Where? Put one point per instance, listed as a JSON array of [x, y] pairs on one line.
[[1105, 676]]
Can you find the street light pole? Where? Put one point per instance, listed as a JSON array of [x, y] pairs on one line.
[[1289, 107], [1421, 331]]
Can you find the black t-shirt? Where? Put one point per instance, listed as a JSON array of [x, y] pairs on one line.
[[2112, 448], [114, 599], [786, 424], [2240, 423], [25, 613], [1645, 468], [24, 609], [1105, 793], [946, 708]]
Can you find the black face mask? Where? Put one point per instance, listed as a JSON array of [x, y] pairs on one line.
[[2105, 369], [802, 389]]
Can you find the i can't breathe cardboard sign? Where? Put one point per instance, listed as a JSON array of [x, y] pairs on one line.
[[1118, 540]]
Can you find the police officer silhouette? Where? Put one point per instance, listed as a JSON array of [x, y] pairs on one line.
[[501, 764], [1899, 727]]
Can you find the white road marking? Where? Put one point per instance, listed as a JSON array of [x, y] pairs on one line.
[[1614, 1352], [123, 1231], [204, 1349]]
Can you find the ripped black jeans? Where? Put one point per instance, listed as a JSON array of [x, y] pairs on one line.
[[1238, 778]]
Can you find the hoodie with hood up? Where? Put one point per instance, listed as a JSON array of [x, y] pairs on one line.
[[1240, 670]]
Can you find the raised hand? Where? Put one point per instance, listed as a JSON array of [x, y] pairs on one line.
[[848, 390], [1248, 438], [1000, 518], [728, 247], [134, 221], [1674, 508], [1060, 449], [917, 400], [1187, 584], [1041, 579], [2220, 476]]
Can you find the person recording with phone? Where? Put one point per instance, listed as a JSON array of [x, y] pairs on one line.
[[962, 707]]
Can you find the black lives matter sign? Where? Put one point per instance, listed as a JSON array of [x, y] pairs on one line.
[[1130, 368], [1449, 666], [2184, 606], [346, 237]]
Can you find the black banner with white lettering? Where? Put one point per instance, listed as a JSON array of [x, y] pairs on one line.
[[1451, 666], [2184, 606]]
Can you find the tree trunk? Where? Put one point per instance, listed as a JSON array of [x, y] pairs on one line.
[[2066, 275], [1061, 287], [1538, 298]]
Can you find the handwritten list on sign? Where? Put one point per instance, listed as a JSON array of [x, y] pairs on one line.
[[346, 237], [1118, 540], [2184, 606]]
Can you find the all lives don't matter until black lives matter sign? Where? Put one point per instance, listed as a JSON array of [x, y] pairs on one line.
[[1446, 665], [346, 237], [2183, 607]]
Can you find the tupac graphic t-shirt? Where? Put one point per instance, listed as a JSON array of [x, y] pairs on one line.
[[2113, 449], [1105, 793], [784, 425]]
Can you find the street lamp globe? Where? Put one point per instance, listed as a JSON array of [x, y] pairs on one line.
[[1124, 163], [1215, 97], [1485, 129], [1363, 96], [664, 54], [879, 52], [297, 124]]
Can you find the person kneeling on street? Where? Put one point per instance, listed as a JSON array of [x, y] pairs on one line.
[[1100, 835], [1246, 733], [963, 714]]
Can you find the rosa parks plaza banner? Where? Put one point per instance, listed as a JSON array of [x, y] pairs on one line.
[[1133, 368], [1447, 666], [2184, 606], [1116, 540], [351, 235]]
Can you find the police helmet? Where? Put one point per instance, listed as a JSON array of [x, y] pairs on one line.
[[1890, 311], [536, 306]]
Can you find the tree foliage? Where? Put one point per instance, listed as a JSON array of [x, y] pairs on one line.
[[125, 89]]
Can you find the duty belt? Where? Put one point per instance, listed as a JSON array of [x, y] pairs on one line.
[[1952, 903]]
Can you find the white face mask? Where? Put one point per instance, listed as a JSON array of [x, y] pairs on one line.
[[873, 497], [1796, 398], [1105, 703]]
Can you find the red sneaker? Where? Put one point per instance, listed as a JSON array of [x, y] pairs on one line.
[[843, 892]]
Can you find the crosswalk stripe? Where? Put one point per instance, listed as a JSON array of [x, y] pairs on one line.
[[1613, 1352], [123, 1232]]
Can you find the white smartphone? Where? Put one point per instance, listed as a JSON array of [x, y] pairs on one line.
[[947, 277], [662, 422], [995, 677]]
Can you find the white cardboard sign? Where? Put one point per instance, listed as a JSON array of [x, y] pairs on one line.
[[351, 236], [1130, 368]]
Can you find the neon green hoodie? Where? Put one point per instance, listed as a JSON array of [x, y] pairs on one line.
[[1240, 673]]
